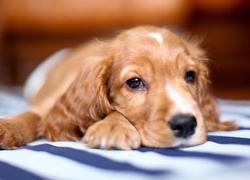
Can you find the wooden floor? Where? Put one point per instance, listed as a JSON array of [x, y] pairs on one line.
[[227, 41], [241, 93]]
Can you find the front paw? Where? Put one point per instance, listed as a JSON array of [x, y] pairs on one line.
[[112, 135]]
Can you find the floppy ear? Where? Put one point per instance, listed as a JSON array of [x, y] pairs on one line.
[[84, 103], [207, 101]]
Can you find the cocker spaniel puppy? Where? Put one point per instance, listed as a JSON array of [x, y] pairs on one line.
[[145, 87]]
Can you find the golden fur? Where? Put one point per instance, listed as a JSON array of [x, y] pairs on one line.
[[86, 97]]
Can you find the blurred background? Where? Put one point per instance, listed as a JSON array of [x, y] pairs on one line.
[[31, 30]]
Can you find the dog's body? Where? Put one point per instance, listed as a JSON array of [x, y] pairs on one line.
[[145, 87]]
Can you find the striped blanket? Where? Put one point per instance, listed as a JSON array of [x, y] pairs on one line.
[[226, 155]]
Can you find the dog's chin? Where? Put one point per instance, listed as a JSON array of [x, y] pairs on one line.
[[188, 142], [182, 143], [200, 137], [179, 143]]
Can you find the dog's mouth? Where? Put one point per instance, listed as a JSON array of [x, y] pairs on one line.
[[183, 143], [198, 138], [186, 131], [181, 131], [176, 142]]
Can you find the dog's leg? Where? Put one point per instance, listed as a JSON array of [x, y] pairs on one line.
[[18, 130], [113, 132]]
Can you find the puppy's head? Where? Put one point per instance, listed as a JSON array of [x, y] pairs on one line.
[[157, 81]]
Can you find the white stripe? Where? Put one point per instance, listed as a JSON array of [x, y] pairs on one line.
[[237, 134]]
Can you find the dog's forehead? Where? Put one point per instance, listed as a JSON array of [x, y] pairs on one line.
[[153, 49], [158, 36], [155, 44], [158, 40]]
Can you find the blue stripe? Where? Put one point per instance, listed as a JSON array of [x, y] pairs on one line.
[[229, 140], [244, 128], [92, 159], [9, 172], [179, 153]]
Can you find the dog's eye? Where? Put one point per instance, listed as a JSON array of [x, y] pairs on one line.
[[135, 83], [190, 77]]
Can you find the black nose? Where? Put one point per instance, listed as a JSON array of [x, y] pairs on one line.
[[183, 125]]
